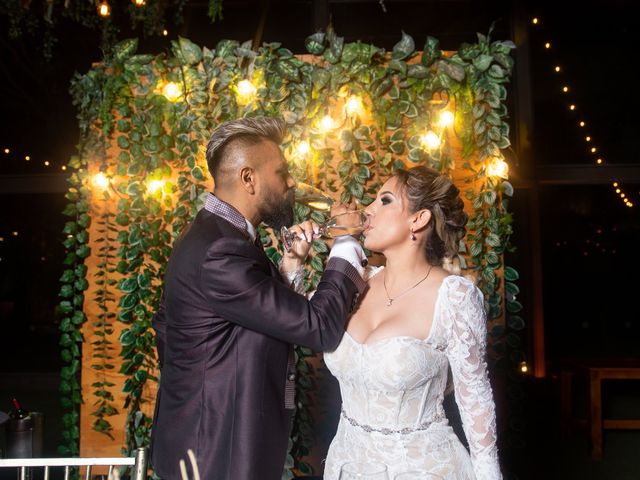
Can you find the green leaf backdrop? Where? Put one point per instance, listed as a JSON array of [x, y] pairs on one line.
[[355, 113]]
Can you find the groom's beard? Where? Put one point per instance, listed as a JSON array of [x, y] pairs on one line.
[[278, 212]]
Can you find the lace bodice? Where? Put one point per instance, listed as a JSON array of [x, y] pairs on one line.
[[396, 385]]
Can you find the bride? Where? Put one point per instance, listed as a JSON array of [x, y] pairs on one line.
[[414, 323]]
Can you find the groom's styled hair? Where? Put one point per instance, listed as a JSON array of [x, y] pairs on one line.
[[234, 135]]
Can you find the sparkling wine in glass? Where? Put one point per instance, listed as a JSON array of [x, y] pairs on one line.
[[313, 197], [363, 471], [352, 222]]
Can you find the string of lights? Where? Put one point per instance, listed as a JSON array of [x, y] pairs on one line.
[[582, 124], [245, 91], [104, 10], [9, 153]]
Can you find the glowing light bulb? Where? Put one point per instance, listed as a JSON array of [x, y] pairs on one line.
[[245, 92], [594, 149], [172, 91], [27, 158], [617, 190], [354, 105], [63, 167], [599, 161], [588, 139], [534, 20], [622, 195], [524, 368], [327, 123], [138, 3], [14, 233], [104, 9], [615, 184], [430, 141], [446, 119], [46, 163], [629, 204], [572, 107], [7, 151], [557, 69], [165, 32], [547, 45], [303, 148], [497, 167], [565, 89], [582, 124], [100, 180], [154, 186]]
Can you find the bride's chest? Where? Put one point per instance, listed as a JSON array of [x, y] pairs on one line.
[[377, 319], [390, 364]]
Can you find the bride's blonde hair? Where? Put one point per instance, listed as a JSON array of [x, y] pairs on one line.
[[427, 189]]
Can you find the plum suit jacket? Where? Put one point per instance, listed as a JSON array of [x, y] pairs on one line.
[[224, 335]]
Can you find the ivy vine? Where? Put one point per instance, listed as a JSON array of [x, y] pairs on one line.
[[73, 285], [103, 327], [40, 20], [151, 148]]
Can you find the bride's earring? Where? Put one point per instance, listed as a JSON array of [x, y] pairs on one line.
[[412, 236]]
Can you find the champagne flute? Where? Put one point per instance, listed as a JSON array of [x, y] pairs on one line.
[[313, 197], [363, 471], [417, 475], [351, 222]]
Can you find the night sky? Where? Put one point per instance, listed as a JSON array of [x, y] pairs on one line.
[[589, 237]]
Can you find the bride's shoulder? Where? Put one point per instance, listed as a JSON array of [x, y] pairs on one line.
[[459, 288]]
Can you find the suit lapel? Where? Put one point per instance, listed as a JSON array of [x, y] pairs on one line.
[[231, 230]]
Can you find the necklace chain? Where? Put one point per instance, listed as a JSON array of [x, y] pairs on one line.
[[391, 300]]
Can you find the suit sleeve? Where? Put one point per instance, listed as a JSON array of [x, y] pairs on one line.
[[239, 287]]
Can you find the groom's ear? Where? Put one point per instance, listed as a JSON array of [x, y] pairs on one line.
[[420, 220], [248, 179]]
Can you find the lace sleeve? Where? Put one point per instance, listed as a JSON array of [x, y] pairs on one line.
[[295, 278], [466, 347]]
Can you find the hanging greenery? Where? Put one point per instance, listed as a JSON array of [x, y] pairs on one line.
[[355, 114], [40, 19]]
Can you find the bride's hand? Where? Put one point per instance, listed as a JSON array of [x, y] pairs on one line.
[[304, 233]]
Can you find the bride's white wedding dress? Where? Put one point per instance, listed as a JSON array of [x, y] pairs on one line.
[[392, 393]]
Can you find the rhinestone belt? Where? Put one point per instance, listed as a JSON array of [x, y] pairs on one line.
[[389, 431]]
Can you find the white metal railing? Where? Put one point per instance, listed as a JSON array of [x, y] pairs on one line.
[[139, 464]]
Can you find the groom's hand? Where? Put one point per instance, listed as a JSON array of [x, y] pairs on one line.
[[304, 232]]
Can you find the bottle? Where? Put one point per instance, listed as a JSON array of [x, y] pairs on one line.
[[19, 413]]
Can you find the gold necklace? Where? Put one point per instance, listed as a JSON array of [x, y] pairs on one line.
[[391, 300]]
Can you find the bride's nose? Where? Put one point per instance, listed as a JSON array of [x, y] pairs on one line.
[[369, 211]]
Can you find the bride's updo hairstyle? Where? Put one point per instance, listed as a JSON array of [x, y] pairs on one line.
[[427, 189]]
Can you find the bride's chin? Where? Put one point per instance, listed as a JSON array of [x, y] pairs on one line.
[[370, 244]]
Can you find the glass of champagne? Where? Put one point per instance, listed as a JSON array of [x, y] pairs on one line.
[[313, 197], [351, 222], [417, 475], [363, 471]]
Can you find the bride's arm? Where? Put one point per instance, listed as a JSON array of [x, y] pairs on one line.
[[291, 264], [294, 278], [466, 349]]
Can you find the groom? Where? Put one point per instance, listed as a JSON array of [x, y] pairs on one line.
[[228, 320]]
